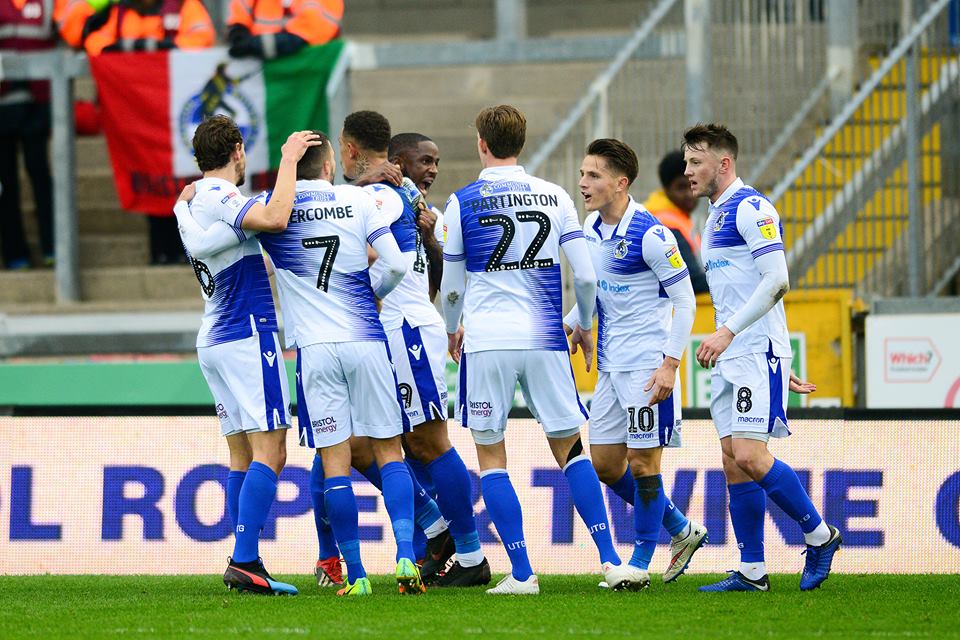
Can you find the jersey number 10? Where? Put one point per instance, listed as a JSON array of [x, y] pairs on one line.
[[528, 261]]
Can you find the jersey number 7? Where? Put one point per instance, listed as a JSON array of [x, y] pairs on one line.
[[528, 261], [332, 245]]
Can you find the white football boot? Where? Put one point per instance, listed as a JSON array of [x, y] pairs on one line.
[[682, 550], [624, 576], [510, 586]]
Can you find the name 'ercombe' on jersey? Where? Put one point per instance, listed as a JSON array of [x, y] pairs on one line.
[[234, 284], [512, 225], [321, 265]]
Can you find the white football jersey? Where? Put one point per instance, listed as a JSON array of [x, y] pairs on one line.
[[634, 263], [411, 299], [508, 226], [321, 265], [234, 284], [743, 224]]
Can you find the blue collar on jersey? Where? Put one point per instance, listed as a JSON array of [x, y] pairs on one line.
[[735, 186], [624, 224]]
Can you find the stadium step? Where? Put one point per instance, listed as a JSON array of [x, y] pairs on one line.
[[882, 219], [100, 284], [376, 19]]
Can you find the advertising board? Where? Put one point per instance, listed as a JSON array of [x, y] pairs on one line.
[[146, 495]]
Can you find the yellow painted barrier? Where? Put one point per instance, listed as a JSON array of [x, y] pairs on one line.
[[819, 322]]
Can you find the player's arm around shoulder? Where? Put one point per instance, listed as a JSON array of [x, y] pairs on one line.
[[273, 216], [200, 242], [383, 244]]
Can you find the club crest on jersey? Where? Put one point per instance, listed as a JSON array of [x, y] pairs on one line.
[[719, 223], [767, 227], [673, 255], [486, 189], [620, 252]]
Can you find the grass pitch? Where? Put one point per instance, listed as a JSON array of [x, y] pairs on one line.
[[848, 606]]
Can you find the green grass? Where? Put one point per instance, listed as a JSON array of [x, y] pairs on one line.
[[847, 606]]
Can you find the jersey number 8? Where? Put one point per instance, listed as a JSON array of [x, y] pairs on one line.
[[528, 261]]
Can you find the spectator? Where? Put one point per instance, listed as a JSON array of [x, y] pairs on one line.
[[25, 25], [672, 206], [275, 28], [135, 25], [102, 26]]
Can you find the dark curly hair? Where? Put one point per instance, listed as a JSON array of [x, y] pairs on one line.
[[214, 141], [369, 129]]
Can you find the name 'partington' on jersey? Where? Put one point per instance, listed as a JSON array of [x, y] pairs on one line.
[[496, 203]]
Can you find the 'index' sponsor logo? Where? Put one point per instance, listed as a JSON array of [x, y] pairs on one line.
[[716, 264]]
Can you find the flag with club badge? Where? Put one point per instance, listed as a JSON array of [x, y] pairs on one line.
[[153, 102]]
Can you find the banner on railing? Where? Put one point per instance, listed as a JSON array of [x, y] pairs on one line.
[[153, 102], [913, 361], [146, 495]]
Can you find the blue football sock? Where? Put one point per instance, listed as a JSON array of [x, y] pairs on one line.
[[341, 506], [234, 484], [256, 497], [422, 474], [328, 542], [625, 487], [649, 503], [372, 473], [673, 519], [419, 544], [783, 486], [504, 509], [398, 498], [455, 500], [748, 505], [588, 498], [425, 510]]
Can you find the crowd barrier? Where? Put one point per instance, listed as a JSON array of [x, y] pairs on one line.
[[146, 496]]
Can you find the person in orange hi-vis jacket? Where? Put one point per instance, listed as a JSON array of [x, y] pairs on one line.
[[100, 26], [275, 28]]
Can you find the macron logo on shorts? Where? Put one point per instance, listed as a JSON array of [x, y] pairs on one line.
[[415, 350], [774, 362], [270, 356]]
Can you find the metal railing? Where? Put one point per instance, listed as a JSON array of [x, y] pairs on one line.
[[867, 202], [61, 67], [761, 61]]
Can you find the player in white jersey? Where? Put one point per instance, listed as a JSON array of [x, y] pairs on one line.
[[345, 380], [646, 307], [750, 357], [505, 232], [418, 343], [237, 346]]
